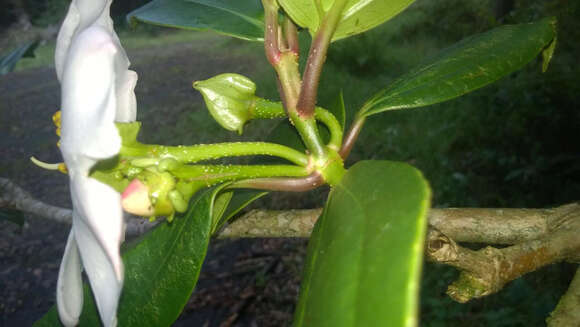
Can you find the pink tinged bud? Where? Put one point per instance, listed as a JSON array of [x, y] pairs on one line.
[[135, 199]]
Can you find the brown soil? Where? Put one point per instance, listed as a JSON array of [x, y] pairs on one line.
[[243, 283]]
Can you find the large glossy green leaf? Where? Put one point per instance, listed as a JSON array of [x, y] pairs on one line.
[[365, 253], [161, 271], [467, 66], [358, 15], [241, 19]]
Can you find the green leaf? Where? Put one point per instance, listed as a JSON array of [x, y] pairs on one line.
[[160, 271], [12, 215], [470, 64], [241, 19], [358, 15], [338, 110], [129, 132], [237, 200], [9, 61], [547, 54], [365, 253]]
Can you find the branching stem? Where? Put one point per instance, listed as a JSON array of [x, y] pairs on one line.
[[316, 58]]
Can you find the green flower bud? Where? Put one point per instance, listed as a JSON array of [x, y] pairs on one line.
[[150, 194], [160, 184], [229, 98]]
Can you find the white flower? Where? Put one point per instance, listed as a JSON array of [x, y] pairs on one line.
[[97, 90]]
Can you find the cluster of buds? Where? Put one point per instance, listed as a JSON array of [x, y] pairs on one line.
[[153, 193]]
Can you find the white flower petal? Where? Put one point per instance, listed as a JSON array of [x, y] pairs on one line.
[[88, 98], [69, 288], [97, 90], [98, 229], [126, 101], [102, 277], [64, 38], [80, 15]]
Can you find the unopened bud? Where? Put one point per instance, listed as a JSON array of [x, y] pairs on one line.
[[148, 194], [228, 98], [135, 199]]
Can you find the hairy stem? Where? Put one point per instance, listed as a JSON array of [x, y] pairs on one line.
[[286, 65], [291, 35], [316, 58], [271, 31], [264, 109], [328, 119], [201, 152], [214, 174]]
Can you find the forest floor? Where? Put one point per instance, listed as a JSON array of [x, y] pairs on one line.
[[251, 282]]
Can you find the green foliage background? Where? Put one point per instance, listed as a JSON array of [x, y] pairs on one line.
[[512, 144]]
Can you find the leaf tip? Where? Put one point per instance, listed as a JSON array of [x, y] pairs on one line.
[[548, 51]]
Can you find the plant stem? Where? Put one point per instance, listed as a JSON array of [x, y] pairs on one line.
[[271, 31], [291, 35], [304, 184], [328, 119], [213, 174], [286, 65], [264, 109], [316, 58], [201, 152], [289, 77], [194, 177], [351, 136]]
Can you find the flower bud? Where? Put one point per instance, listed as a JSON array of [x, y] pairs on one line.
[[148, 194], [228, 98], [135, 199]]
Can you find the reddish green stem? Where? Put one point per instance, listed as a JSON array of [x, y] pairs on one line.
[[316, 58], [303, 184], [271, 31], [350, 138], [291, 35]]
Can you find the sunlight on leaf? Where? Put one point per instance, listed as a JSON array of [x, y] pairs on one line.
[[365, 253], [240, 19], [467, 66]]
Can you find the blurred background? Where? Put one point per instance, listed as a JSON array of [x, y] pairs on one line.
[[512, 144]]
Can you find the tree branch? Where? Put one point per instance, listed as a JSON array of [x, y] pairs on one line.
[[486, 271], [495, 226], [474, 225], [14, 197]]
